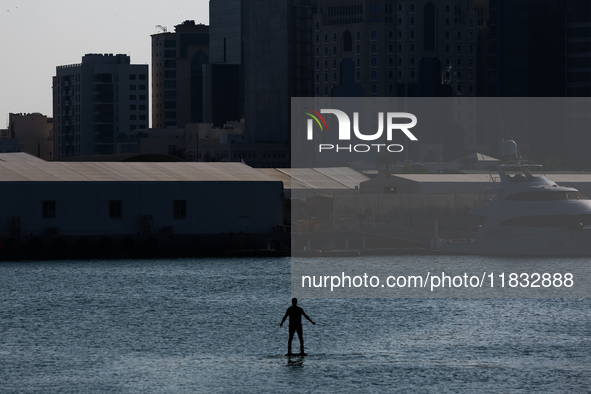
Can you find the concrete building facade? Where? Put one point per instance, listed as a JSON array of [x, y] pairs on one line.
[[35, 132], [278, 65], [96, 102], [177, 75], [385, 48]]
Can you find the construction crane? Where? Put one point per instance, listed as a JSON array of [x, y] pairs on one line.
[[162, 28]]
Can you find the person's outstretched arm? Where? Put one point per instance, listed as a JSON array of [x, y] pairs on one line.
[[307, 317], [284, 317]]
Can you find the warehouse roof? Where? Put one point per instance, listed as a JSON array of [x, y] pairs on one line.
[[339, 178], [463, 183], [24, 167]]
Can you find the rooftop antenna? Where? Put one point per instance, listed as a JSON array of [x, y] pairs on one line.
[[161, 28]]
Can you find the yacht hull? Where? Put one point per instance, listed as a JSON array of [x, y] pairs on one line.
[[553, 242]]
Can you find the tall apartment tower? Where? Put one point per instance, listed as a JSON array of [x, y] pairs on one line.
[[226, 26], [177, 75], [527, 47], [395, 48], [278, 64], [224, 76], [96, 102]]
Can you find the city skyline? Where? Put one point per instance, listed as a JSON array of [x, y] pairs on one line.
[[44, 36]]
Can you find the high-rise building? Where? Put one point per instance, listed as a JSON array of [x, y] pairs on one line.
[[277, 64], [177, 75], [226, 25], [96, 102], [395, 48], [578, 49], [526, 48], [224, 76]]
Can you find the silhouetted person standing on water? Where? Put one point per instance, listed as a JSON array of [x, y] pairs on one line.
[[295, 324]]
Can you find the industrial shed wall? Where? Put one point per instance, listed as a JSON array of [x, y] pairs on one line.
[[82, 208]]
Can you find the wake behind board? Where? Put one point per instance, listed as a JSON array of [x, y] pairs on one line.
[[296, 354]]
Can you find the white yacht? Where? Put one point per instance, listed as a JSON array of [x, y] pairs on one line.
[[530, 215]]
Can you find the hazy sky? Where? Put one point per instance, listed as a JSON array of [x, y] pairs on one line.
[[39, 35]]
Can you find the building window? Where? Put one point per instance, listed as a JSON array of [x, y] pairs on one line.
[[374, 35], [374, 61], [115, 209], [459, 36], [374, 88], [374, 48], [412, 7], [180, 209], [48, 210]]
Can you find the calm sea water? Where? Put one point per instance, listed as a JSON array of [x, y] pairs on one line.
[[201, 325]]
